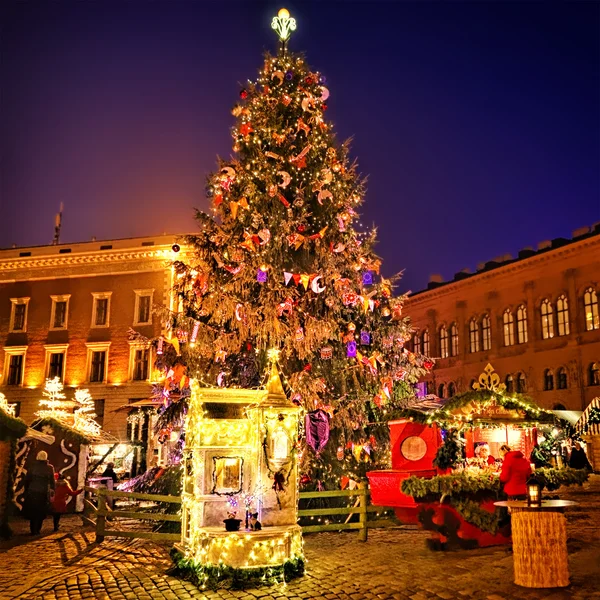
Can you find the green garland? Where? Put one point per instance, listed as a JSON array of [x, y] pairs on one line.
[[11, 428], [69, 433], [220, 576]]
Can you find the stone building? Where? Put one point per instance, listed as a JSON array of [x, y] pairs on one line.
[[66, 311], [534, 318]]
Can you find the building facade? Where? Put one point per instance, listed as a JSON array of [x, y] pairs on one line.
[[534, 318], [67, 310]]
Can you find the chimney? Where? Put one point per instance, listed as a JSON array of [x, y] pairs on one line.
[[577, 233], [545, 245], [436, 278]]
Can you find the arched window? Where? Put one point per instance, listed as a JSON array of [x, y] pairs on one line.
[[547, 319], [562, 382], [548, 380], [521, 383], [453, 340], [473, 336], [562, 315], [510, 383], [590, 302], [559, 407], [522, 324], [425, 340], [441, 391], [451, 389], [443, 342], [486, 333], [416, 343], [508, 322], [595, 374]]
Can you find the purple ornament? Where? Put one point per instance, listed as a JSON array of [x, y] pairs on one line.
[[261, 276], [367, 278], [316, 425], [365, 338], [322, 79], [351, 349], [289, 75]]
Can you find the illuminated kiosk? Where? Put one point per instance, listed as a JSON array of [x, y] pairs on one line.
[[241, 447]]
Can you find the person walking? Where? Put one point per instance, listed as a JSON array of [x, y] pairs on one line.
[[578, 458], [39, 488], [110, 472], [62, 491], [515, 472]]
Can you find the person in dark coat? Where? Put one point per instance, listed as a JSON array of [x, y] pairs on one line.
[[110, 472], [62, 491], [579, 459], [515, 472], [39, 488]]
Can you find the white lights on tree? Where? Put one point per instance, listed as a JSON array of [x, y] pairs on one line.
[[84, 415], [54, 404], [9, 409]]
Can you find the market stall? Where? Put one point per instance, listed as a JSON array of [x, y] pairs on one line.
[[589, 428], [441, 476]]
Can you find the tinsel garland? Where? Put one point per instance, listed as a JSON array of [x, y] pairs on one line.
[[220, 576]]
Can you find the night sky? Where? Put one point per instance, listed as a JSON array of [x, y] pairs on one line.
[[478, 124]]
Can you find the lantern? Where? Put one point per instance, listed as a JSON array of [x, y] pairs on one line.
[[534, 492]]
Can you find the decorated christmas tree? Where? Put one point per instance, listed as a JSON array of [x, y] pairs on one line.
[[54, 404], [84, 415], [282, 268]]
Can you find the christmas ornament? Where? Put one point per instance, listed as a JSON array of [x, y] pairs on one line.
[[303, 126], [265, 236], [194, 335], [351, 349], [340, 453], [286, 178], [350, 299], [246, 129], [159, 346], [324, 94], [367, 278], [305, 278], [285, 99], [326, 353], [299, 334], [272, 191], [324, 195], [316, 424], [243, 94], [261, 276], [289, 75], [351, 327], [316, 288], [308, 80], [307, 104], [285, 308], [365, 338], [278, 75], [238, 311], [286, 277]]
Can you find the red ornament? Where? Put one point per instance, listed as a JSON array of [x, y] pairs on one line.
[[307, 368], [246, 129], [324, 107], [428, 364], [301, 228], [243, 94], [308, 80]]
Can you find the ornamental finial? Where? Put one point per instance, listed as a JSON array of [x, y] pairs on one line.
[[283, 25]]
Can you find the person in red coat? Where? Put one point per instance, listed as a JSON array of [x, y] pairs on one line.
[[515, 473], [62, 491]]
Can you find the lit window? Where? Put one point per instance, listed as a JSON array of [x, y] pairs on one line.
[[510, 383], [97, 361], [508, 322], [453, 340], [425, 339], [443, 342], [548, 380], [473, 336], [101, 309], [522, 325], [486, 333], [56, 356], [595, 374], [59, 315], [140, 366], [562, 382], [143, 307], [416, 343], [547, 319], [590, 301], [562, 315], [441, 392], [18, 315], [14, 364], [521, 383]]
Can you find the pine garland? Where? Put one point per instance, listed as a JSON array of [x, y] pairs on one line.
[[11, 428]]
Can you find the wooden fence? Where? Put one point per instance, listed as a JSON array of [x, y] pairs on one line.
[[97, 514]]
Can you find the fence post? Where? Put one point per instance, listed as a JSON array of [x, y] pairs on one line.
[[362, 515], [101, 515]]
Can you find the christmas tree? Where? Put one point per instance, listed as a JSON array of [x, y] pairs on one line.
[[281, 268], [84, 415], [54, 404]]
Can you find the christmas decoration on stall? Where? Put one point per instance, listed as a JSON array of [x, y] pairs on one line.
[[54, 405], [282, 261], [84, 415]]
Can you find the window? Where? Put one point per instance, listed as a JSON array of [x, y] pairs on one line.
[[55, 360], [486, 333], [97, 361], [18, 315], [510, 384], [141, 362], [453, 340], [562, 315], [547, 319], [59, 315], [590, 302], [508, 322], [101, 309], [425, 339], [521, 384], [451, 389], [594, 374], [416, 344], [14, 364], [522, 324], [443, 342], [143, 307], [473, 336], [548, 380], [441, 392], [562, 382]]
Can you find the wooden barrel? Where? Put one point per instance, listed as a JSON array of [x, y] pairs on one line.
[[540, 548]]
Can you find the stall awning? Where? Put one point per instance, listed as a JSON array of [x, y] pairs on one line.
[[570, 416], [582, 423]]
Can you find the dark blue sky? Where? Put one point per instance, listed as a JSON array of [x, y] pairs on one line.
[[478, 123]]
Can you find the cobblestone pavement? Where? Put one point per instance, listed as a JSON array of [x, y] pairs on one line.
[[393, 564]]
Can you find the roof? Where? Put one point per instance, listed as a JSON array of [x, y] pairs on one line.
[[583, 425], [11, 428], [49, 425]]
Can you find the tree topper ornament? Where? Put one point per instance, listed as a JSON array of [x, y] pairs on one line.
[[283, 24]]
